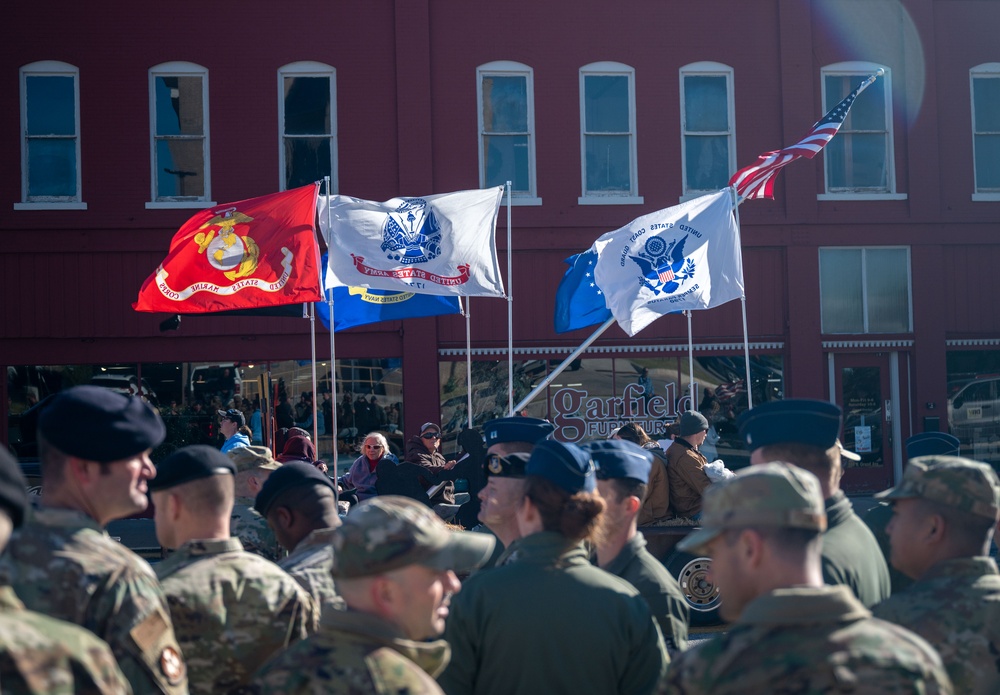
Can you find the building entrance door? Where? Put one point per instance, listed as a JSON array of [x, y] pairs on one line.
[[862, 388]]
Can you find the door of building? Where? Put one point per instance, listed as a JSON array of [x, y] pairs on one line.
[[862, 387]]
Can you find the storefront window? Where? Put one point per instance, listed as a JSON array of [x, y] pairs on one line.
[[974, 402]]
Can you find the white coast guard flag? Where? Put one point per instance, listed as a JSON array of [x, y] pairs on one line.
[[435, 244], [682, 257]]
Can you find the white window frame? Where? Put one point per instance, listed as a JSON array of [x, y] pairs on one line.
[[508, 68], [308, 68], [597, 198], [53, 68], [860, 69], [709, 69], [179, 69], [990, 71], [864, 285]]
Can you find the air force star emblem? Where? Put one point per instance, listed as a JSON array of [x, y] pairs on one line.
[[411, 234], [664, 267]]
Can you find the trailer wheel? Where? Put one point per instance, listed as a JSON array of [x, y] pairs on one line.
[[703, 598]]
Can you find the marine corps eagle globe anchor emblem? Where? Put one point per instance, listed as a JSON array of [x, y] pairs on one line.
[[236, 256], [664, 267]]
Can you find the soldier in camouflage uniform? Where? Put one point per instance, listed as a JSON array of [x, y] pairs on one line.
[[253, 466], [300, 505], [623, 470], [38, 654], [232, 610], [804, 432], [395, 567], [944, 511], [790, 633], [94, 447]]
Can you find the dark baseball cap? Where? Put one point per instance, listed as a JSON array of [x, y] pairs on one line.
[[233, 415]]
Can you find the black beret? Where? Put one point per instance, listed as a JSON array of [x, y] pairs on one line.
[[509, 466], [932, 444], [292, 474], [189, 463], [516, 429], [793, 420], [619, 458], [97, 424], [13, 488], [566, 465]]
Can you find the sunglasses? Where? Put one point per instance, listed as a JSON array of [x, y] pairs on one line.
[[373, 446], [430, 435]]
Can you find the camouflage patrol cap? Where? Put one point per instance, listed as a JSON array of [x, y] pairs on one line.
[[389, 532], [247, 458], [777, 495], [952, 481]]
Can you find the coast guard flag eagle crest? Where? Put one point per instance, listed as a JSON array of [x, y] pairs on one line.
[[682, 257], [258, 252], [436, 244]]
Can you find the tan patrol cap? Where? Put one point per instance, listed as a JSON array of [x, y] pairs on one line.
[[952, 481], [777, 495]]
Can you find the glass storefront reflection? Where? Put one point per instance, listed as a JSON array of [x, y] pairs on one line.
[[974, 403]]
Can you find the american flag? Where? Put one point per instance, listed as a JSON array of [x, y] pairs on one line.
[[757, 180]]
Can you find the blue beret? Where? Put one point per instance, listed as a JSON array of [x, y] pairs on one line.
[[189, 463], [13, 488], [793, 420], [932, 444], [97, 424], [509, 466], [292, 474], [565, 465], [516, 429], [618, 458]]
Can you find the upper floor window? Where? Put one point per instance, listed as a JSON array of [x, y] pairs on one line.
[[50, 136], [865, 290], [708, 133], [307, 114], [607, 134], [507, 129], [986, 130], [178, 106], [859, 159]]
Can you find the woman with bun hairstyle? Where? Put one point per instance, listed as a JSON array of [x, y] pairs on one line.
[[548, 621]]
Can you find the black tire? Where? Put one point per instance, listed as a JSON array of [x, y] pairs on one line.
[[703, 597]]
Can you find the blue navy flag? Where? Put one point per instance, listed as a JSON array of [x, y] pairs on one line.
[[357, 306], [579, 301]]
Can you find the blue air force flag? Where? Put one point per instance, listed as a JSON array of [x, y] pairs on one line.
[[682, 257], [438, 244]]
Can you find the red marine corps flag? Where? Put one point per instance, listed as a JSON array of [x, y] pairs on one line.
[[254, 253]]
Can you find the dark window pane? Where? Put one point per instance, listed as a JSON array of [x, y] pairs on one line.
[[857, 161], [988, 162], [52, 167], [306, 160], [180, 168], [179, 106], [707, 161], [608, 163], [505, 104], [51, 105], [506, 159], [706, 106], [307, 106], [986, 92], [606, 102]]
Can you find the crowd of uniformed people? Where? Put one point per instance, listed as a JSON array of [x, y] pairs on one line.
[[269, 588]]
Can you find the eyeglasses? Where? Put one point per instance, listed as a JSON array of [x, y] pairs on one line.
[[430, 435]]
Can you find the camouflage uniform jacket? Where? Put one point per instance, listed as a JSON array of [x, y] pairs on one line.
[[956, 607], [851, 555], [639, 568], [311, 565], [63, 564], [549, 606], [252, 530], [355, 653], [232, 611], [42, 655], [810, 640]]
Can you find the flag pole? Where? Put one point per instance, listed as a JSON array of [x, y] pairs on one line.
[[743, 300], [312, 341], [565, 363], [333, 359], [468, 359], [510, 318], [691, 385]]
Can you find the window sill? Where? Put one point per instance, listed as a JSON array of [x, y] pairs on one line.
[[50, 206], [861, 196], [182, 204], [985, 197], [522, 200], [610, 200]]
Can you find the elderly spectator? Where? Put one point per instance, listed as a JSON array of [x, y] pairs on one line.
[[363, 473]]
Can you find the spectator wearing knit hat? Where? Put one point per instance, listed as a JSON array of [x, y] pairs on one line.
[[686, 466]]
